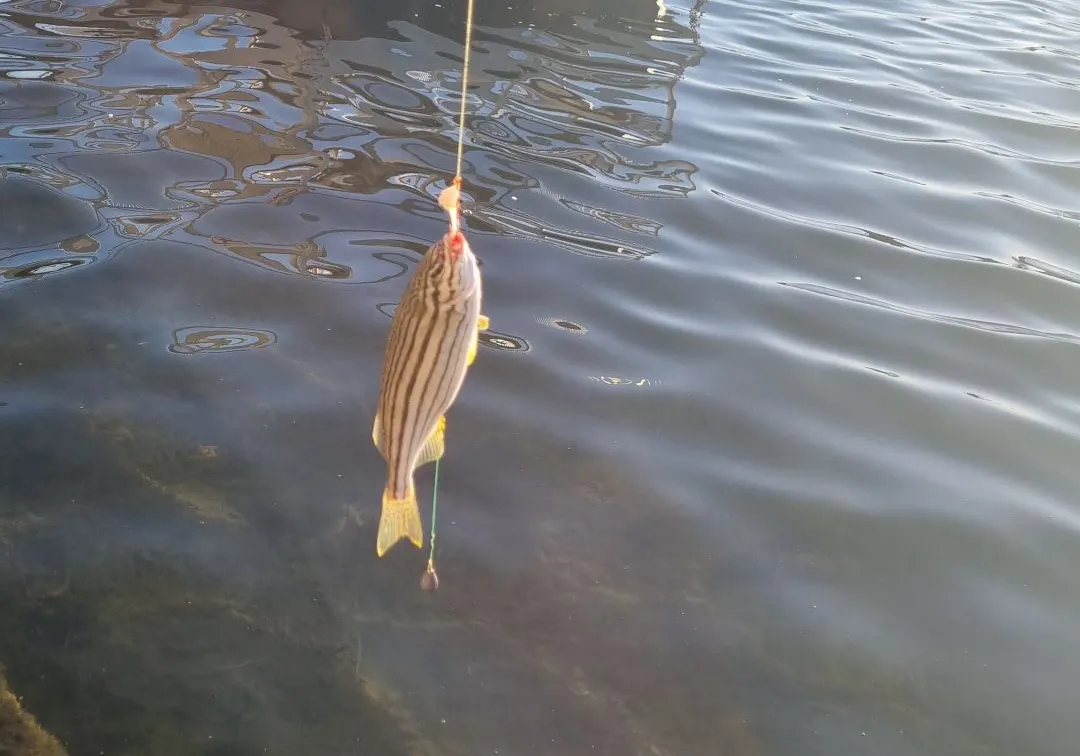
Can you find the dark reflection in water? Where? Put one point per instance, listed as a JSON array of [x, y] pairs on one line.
[[563, 325], [196, 339], [780, 463], [503, 341], [258, 114]]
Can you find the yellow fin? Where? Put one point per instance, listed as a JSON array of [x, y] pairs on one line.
[[471, 357], [375, 433], [435, 446], [400, 518], [482, 324]]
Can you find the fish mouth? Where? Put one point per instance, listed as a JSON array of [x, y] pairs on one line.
[[455, 244]]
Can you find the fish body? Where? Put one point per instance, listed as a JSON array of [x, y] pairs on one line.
[[433, 339]]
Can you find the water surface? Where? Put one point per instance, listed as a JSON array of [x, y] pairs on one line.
[[770, 448]]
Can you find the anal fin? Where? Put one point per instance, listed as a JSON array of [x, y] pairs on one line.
[[435, 446]]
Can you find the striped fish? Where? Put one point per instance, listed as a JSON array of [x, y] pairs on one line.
[[432, 342]]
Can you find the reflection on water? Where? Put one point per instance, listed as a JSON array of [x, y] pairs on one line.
[[280, 118], [197, 339], [796, 481], [503, 341], [43, 268], [610, 380], [563, 325]]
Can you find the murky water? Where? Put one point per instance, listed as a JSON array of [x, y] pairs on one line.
[[770, 450]]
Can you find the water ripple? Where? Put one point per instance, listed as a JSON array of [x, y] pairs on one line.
[[208, 213], [269, 124], [982, 325]]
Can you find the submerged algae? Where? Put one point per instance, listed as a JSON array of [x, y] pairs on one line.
[[20, 733]]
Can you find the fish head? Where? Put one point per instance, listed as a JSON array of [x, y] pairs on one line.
[[455, 248], [453, 267]]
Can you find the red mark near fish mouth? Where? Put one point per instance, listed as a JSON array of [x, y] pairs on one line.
[[456, 244]]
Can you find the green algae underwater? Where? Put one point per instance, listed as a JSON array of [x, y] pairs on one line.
[[160, 594], [20, 734], [122, 632], [116, 620]]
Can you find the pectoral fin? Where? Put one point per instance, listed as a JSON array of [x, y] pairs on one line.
[[482, 324], [471, 357], [375, 435], [435, 446]]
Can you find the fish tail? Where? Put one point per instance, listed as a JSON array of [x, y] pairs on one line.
[[400, 518]]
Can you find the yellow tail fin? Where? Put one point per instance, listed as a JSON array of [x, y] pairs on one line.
[[400, 518]]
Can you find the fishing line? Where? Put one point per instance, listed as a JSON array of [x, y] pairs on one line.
[[450, 198], [430, 581], [464, 91], [450, 201]]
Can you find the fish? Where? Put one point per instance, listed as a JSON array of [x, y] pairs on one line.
[[431, 345]]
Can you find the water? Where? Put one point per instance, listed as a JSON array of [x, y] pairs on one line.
[[770, 450]]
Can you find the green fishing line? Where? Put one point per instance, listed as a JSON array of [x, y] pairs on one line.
[[434, 509]]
